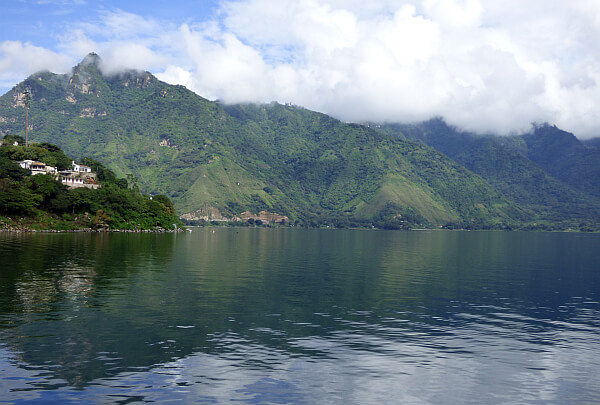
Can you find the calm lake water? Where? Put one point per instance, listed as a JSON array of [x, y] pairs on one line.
[[286, 316]]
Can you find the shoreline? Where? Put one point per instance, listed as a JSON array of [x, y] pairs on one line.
[[90, 230]]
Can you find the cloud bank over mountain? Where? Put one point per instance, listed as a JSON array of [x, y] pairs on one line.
[[483, 65]]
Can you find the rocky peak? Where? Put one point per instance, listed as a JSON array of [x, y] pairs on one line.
[[89, 66], [84, 76], [91, 59]]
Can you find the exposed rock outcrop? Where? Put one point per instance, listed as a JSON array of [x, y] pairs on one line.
[[206, 213], [264, 216]]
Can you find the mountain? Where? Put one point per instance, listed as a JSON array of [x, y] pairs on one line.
[[593, 143], [562, 155], [219, 161], [548, 172]]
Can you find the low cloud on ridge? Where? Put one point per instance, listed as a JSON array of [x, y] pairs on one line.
[[483, 65]]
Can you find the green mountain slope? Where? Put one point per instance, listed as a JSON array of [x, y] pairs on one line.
[[544, 175], [562, 155], [217, 161]]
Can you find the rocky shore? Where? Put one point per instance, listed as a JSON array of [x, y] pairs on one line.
[[26, 225], [89, 230]]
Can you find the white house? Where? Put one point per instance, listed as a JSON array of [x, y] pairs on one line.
[[72, 181], [81, 168], [37, 167], [25, 163]]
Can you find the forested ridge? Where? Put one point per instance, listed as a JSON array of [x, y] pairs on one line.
[[548, 172], [217, 161]]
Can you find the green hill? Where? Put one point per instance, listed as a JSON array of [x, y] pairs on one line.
[[220, 161], [566, 158]]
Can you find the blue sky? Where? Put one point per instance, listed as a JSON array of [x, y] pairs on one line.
[[40, 21], [483, 65]]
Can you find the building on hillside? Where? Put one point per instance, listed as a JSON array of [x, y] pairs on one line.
[[81, 168], [37, 167], [6, 142], [68, 179], [80, 176], [73, 179], [25, 164]]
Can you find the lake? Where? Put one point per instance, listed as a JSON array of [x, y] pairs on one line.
[[291, 316]]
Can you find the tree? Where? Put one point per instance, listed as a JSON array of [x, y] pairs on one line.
[[103, 173], [11, 170], [15, 199], [11, 139], [132, 182], [49, 147], [169, 208], [46, 187]]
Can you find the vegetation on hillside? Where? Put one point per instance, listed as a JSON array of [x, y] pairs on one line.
[[287, 160], [42, 202], [526, 169], [564, 157], [284, 159]]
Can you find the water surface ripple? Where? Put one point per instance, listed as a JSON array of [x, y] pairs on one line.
[[284, 316]]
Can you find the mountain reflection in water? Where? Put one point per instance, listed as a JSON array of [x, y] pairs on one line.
[[300, 316]]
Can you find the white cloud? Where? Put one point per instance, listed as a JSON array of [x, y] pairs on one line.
[[467, 13], [18, 60], [484, 65], [175, 74], [76, 43], [481, 66], [123, 25]]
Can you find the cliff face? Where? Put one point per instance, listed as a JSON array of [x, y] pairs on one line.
[[209, 213], [206, 213], [265, 217]]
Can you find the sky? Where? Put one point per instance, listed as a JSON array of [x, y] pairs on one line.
[[486, 66]]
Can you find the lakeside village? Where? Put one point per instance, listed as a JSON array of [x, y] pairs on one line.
[[78, 176]]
